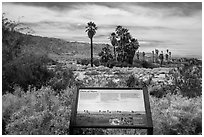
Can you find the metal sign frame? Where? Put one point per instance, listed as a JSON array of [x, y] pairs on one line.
[[148, 126]]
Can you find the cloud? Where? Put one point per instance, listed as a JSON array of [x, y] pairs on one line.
[[162, 25]]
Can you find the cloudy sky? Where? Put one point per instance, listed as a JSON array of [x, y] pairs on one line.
[[174, 26]]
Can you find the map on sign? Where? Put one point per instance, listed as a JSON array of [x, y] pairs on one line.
[[105, 107]]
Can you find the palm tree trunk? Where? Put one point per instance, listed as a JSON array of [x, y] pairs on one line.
[[115, 53], [91, 53], [153, 58]]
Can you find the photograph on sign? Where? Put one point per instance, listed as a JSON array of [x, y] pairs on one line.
[[106, 107]]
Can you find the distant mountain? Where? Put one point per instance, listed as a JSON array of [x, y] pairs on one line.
[[57, 47], [61, 49]]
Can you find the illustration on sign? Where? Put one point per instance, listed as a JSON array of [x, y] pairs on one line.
[[110, 107]]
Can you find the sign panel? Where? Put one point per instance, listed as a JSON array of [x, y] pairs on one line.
[[110, 107]]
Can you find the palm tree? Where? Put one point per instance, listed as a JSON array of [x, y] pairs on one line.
[[91, 30], [153, 56], [161, 57], [138, 55], [114, 42], [143, 55], [157, 54], [167, 55], [170, 56], [167, 50]]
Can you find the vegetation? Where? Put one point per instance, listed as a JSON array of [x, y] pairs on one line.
[[37, 112], [105, 54], [177, 115], [161, 57], [114, 42], [91, 30], [189, 81], [37, 100], [20, 68], [86, 61], [124, 45], [24, 71]]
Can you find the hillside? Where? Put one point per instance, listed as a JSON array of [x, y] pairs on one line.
[[58, 48]]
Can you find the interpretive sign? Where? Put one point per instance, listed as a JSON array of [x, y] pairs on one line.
[[111, 108]]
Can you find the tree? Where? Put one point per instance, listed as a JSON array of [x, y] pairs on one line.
[[153, 56], [138, 55], [114, 42], [105, 54], [91, 31], [167, 55], [170, 56], [143, 55], [157, 55], [127, 45], [161, 57], [167, 50]]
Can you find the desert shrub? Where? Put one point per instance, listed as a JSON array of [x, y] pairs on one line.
[[62, 78], [29, 69], [37, 112], [137, 64], [146, 64], [111, 84], [111, 63], [176, 115], [105, 54], [96, 62], [123, 64], [87, 61], [143, 64], [189, 80], [132, 81], [83, 61], [160, 91]]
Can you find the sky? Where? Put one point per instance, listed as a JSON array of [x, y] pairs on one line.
[[176, 26]]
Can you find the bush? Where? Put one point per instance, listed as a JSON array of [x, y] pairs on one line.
[[146, 64], [87, 61], [37, 112], [188, 80], [105, 54], [83, 61], [111, 84], [111, 63], [96, 62], [143, 64], [160, 91], [132, 81], [177, 115], [62, 78], [29, 69]]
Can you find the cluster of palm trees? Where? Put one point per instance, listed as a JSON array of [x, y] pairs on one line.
[[123, 43], [156, 56]]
